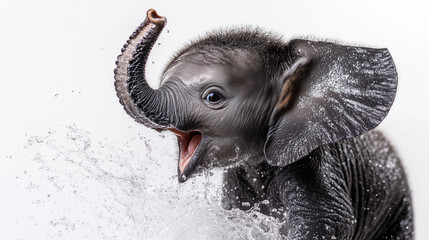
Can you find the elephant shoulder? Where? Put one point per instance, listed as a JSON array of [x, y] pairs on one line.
[[369, 170]]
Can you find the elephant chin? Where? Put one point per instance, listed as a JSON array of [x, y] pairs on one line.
[[190, 152]]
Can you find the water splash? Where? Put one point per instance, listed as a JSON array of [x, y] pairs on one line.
[[102, 189]]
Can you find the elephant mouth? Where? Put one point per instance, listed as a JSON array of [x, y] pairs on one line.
[[188, 144]]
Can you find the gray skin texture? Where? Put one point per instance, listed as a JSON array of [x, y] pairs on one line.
[[291, 123]]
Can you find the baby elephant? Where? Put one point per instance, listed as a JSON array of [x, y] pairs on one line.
[[290, 121]]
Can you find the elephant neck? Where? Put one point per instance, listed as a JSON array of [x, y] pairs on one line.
[[259, 169]]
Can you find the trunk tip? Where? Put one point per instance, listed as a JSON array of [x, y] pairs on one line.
[[153, 17]]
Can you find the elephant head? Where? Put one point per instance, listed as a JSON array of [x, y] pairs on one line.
[[247, 93]]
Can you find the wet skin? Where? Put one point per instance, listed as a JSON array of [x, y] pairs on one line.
[[290, 121], [352, 194]]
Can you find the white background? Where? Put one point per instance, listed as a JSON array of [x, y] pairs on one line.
[[57, 60]]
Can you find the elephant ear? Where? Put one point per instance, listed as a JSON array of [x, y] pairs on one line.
[[330, 92]]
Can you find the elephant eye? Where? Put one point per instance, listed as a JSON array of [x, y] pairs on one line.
[[214, 97]]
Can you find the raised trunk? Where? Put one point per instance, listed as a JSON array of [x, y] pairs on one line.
[[140, 101]]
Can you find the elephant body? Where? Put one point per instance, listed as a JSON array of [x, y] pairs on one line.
[[292, 123], [357, 186]]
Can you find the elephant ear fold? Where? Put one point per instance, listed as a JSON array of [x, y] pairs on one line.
[[330, 92]]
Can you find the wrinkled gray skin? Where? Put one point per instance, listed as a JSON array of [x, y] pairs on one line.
[[290, 122]]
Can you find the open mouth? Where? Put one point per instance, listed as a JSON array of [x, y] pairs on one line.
[[188, 143]]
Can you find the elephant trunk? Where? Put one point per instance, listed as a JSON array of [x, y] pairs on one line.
[[146, 105]]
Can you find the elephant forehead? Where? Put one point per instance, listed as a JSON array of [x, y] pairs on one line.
[[192, 73], [200, 75]]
